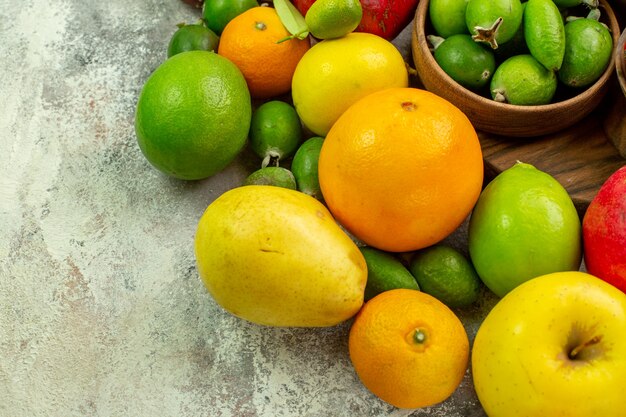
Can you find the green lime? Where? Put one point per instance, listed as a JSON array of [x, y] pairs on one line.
[[192, 38], [275, 131], [522, 80], [467, 62], [276, 176], [217, 13], [446, 274], [329, 19], [385, 272], [448, 17], [304, 167], [193, 115], [523, 225], [545, 33], [493, 21], [588, 49]]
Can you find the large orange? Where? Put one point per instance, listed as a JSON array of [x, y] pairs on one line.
[[250, 40], [408, 348], [401, 169]]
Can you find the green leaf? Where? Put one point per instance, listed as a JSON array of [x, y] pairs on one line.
[[292, 19]]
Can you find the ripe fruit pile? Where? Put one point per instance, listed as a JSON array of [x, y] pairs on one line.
[[491, 46], [361, 178]]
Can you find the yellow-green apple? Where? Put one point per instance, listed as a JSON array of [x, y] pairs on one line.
[[385, 18], [554, 346], [604, 231]]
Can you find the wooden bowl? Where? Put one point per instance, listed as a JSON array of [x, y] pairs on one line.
[[503, 118], [615, 122]]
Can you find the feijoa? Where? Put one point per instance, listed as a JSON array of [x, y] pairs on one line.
[[467, 62], [276, 176], [275, 131], [385, 272], [304, 167], [588, 48], [544, 33], [493, 21], [448, 17], [522, 80]]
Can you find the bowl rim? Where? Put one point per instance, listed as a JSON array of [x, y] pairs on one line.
[[419, 25], [620, 61]]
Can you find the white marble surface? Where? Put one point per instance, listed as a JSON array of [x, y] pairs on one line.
[[101, 309]]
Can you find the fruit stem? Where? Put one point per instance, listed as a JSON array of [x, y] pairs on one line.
[[593, 4], [435, 41], [419, 336], [488, 35], [577, 349]]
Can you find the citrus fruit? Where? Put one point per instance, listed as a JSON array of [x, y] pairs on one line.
[[276, 176], [250, 40], [328, 19], [465, 61], [544, 33], [522, 80], [304, 167], [192, 38], [524, 225], [335, 73], [401, 169], [193, 115], [385, 272], [275, 131], [446, 274], [217, 13], [588, 49], [277, 257], [448, 17], [408, 348], [493, 21]]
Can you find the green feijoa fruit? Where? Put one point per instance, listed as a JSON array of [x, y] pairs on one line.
[[328, 19], [493, 21], [514, 46], [385, 272], [276, 176], [448, 17], [565, 4], [192, 38], [467, 62], [522, 80], [275, 131], [304, 167], [544, 33], [447, 275], [588, 48]]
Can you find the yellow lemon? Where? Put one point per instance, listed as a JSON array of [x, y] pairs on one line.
[[276, 257], [335, 73]]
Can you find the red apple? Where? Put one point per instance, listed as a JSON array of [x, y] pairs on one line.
[[385, 18], [604, 231]]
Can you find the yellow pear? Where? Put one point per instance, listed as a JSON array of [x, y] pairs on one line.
[[276, 257]]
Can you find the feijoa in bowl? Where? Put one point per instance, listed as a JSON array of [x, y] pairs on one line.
[[568, 106]]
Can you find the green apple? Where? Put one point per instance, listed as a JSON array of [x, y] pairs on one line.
[[554, 346]]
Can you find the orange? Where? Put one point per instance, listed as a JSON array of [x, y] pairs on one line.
[[408, 348], [401, 169], [250, 40]]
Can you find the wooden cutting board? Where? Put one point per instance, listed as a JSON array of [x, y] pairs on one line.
[[581, 157]]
